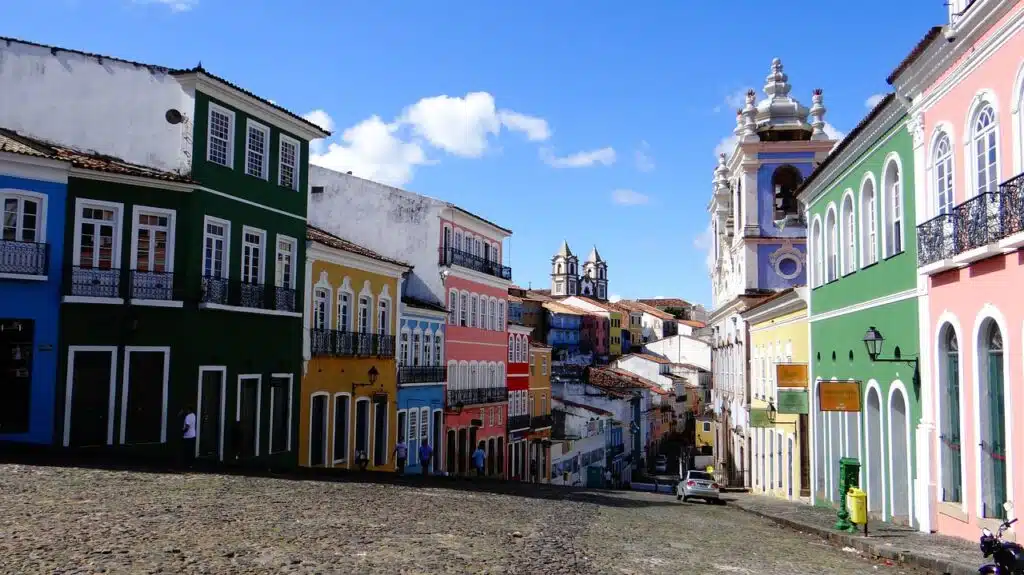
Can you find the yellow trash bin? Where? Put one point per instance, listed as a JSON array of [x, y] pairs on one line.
[[857, 505]]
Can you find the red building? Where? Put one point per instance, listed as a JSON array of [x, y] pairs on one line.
[[477, 285], [518, 399]]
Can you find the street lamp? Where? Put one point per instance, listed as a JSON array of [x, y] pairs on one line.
[[873, 341], [772, 412], [371, 375]]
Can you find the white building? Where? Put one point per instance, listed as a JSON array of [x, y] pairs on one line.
[[589, 427], [682, 349]]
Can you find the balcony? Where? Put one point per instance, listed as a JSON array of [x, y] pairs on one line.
[[477, 396], [421, 374], [983, 226], [151, 286], [236, 293], [25, 259], [335, 343], [454, 257], [92, 282], [541, 422], [518, 422]]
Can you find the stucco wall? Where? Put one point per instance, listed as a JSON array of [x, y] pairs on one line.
[[682, 349]]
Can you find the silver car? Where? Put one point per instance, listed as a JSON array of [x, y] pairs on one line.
[[699, 485]]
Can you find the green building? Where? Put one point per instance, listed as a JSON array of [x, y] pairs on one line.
[[183, 288], [863, 275]]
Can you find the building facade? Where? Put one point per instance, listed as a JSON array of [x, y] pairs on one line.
[[758, 239], [780, 450], [863, 277], [518, 401], [539, 406], [33, 195], [421, 380], [349, 386], [564, 326], [964, 83], [566, 279]]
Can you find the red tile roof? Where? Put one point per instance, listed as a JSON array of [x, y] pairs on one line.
[[665, 302], [315, 234], [616, 378], [692, 323]]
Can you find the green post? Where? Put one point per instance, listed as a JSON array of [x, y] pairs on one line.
[[849, 476]]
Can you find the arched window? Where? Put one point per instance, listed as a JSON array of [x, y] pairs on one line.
[[519, 349], [993, 430], [943, 174], [458, 241], [785, 182], [893, 209], [868, 223], [818, 247], [848, 233], [949, 433], [511, 348], [985, 151], [831, 245]]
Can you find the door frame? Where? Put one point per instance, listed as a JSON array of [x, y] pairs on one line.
[[125, 380], [223, 369], [326, 427], [69, 388], [291, 391], [259, 404]]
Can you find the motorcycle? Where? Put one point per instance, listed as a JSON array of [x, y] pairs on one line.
[[1007, 556]]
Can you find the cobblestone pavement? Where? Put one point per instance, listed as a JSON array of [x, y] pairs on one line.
[[67, 520]]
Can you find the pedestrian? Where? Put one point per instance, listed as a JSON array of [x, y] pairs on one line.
[[362, 460], [401, 454], [188, 437], [426, 452], [478, 459], [533, 471], [608, 478]]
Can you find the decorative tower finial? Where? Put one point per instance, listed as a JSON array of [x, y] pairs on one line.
[[721, 180], [776, 84], [818, 116], [750, 118], [738, 130]]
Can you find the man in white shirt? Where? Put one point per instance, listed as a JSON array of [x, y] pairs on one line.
[[188, 437]]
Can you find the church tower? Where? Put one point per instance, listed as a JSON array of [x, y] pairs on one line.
[[595, 277], [564, 270]]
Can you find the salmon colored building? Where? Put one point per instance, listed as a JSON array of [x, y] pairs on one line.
[[964, 86], [476, 283], [518, 400]]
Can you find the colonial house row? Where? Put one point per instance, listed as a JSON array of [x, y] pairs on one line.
[[188, 210], [421, 380]]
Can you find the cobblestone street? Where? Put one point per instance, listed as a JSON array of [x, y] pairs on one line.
[[65, 520]]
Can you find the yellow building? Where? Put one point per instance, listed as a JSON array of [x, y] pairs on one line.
[[349, 384], [704, 436], [540, 412], [615, 337], [780, 445]]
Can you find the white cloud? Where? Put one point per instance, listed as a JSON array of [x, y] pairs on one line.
[[461, 126], [873, 101], [614, 298], [604, 156], [625, 197], [704, 242], [389, 152], [732, 101], [642, 157], [174, 5]]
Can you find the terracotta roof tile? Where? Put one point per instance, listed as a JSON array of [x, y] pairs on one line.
[[665, 302], [317, 235]]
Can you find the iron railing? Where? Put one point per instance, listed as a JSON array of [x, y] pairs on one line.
[[517, 422], [93, 282], [151, 285], [935, 239], [240, 293], [477, 396], [332, 342], [24, 258], [541, 421], [422, 374], [454, 257], [574, 372]]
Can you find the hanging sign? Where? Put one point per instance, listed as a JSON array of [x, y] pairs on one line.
[[791, 374], [759, 418], [793, 401], [839, 396]]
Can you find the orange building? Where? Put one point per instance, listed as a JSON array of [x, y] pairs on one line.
[[539, 436]]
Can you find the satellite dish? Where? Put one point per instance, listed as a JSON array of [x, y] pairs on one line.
[[173, 116]]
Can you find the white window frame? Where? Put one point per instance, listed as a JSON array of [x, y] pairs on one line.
[[225, 267], [474, 310], [69, 388], [453, 307], [291, 391], [282, 140], [832, 271], [328, 445], [259, 404], [868, 220], [171, 216], [126, 381], [250, 126], [345, 289], [982, 101], [325, 289], [428, 348], [946, 161], [416, 346], [263, 254], [118, 224], [277, 258], [230, 144], [405, 347], [848, 233], [384, 297], [22, 196], [334, 426], [364, 303]]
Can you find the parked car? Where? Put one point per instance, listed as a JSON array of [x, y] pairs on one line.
[[661, 464], [699, 485]]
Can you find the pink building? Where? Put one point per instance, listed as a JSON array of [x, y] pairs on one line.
[[965, 83], [476, 347]]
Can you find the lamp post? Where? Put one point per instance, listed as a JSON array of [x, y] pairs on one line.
[[772, 412], [371, 376], [874, 341]]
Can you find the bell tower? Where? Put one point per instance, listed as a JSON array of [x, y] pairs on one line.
[[564, 270], [595, 276]]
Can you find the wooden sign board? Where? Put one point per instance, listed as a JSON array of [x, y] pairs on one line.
[[759, 418], [839, 396], [791, 374], [793, 401]]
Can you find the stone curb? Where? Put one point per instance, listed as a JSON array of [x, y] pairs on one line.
[[866, 545]]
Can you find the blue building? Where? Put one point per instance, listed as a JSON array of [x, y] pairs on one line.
[[421, 378], [33, 190], [564, 326]]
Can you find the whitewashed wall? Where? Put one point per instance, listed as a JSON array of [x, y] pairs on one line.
[[682, 349], [93, 104], [646, 369]]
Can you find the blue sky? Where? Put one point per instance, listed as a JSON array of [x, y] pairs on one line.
[[588, 121]]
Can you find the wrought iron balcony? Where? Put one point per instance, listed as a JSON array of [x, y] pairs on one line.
[[541, 421], [93, 282], [336, 343], [517, 422], [573, 372], [477, 396], [422, 374], [454, 257], [1012, 217], [24, 258], [240, 293], [148, 285], [977, 221]]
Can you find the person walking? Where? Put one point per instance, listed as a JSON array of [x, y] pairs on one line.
[[478, 459], [188, 437], [401, 454], [426, 452]]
